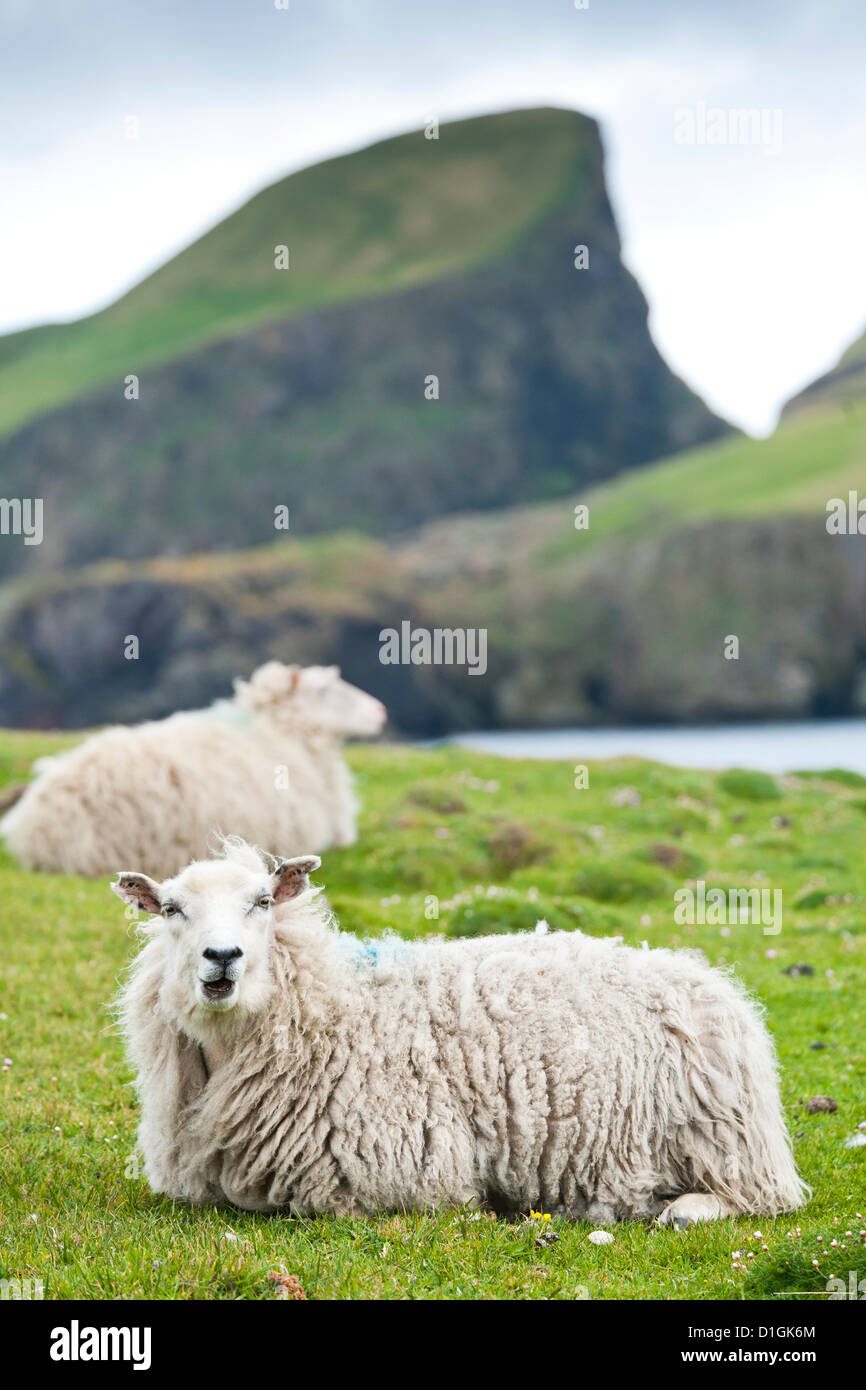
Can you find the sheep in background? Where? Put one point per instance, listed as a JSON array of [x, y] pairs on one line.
[[266, 764], [284, 1064]]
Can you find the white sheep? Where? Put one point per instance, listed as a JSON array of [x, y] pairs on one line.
[[266, 764], [283, 1064]]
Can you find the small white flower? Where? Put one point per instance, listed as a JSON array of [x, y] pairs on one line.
[[600, 1238]]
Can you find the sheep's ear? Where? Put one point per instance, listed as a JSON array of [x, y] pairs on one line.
[[291, 877], [139, 890]]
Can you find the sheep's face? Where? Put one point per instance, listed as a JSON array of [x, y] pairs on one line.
[[217, 920], [315, 696]]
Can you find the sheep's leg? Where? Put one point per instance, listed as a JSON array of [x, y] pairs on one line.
[[693, 1207]]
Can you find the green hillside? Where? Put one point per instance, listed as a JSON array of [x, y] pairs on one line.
[[843, 385], [855, 353], [794, 470], [400, 213], [446, 264]]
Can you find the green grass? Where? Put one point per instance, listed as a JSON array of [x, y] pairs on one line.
[[400, 213], [487, 844]]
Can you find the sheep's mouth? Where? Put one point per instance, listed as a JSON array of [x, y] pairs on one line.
[[218, 989]]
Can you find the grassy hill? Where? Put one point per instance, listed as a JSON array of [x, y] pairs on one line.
[[400, 213], [855, 353], [625, 620], [415, 260], [498, 844], [844, 385]]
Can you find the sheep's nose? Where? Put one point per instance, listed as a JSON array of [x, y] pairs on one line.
[[225, 954]]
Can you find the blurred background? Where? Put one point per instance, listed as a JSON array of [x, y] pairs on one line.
[[319, 318]]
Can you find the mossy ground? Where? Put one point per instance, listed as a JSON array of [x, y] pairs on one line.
[[487, 844]]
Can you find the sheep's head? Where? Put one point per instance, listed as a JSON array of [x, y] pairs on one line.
[[314, 697], [217, 922]]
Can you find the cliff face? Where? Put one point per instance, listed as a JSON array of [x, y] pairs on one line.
[[634, 632], [547, 377]]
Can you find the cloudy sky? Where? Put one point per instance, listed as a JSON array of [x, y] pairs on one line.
[[751, 254]]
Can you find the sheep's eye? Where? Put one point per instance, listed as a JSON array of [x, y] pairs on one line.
[[170, 910], [265, 901]]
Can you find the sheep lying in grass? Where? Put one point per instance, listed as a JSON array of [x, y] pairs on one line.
[[284, 1064], [266, 764]]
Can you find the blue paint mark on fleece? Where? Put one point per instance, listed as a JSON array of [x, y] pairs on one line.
[[369, 952], [227, 712]]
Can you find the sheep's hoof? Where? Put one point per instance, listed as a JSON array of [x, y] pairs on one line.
[[691, 1208]]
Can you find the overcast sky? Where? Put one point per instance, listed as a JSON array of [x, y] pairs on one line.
[[751, 254]]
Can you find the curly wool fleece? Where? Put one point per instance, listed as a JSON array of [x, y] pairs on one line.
[[557, 1071]]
